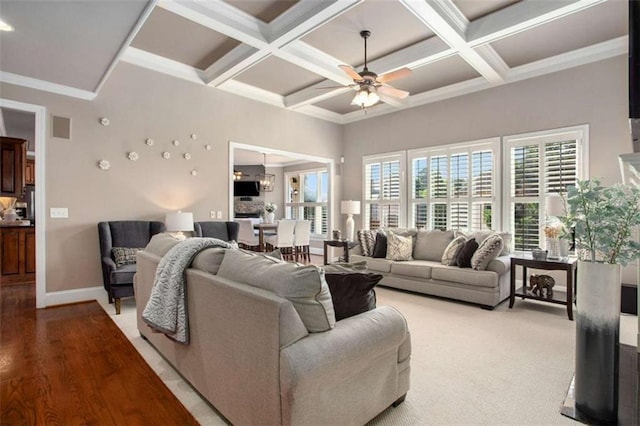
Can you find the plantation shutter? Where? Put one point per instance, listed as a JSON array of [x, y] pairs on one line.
[[383, 191], [560, 166]]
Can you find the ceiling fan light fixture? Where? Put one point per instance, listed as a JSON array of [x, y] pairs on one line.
[[365, 97]]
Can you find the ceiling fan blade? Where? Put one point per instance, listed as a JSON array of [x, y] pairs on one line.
[[351, 72], [331, 87], [392, 91], [393, 75]]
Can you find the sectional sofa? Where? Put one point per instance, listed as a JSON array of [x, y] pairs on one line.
[[426, 273], [261, 356]]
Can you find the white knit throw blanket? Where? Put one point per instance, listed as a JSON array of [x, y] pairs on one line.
[[166, 310]]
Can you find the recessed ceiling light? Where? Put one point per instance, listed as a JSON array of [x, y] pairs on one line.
[[4, 26]]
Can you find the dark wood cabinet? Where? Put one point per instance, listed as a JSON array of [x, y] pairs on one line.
[[13, 162], [30, 172], [17, 254]]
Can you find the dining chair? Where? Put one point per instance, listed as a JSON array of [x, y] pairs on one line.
[[283, 240], [246, 236], [301, 240]]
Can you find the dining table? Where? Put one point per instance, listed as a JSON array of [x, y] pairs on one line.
[[261, 227]]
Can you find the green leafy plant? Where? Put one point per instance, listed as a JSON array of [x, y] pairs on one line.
[[603, 219]]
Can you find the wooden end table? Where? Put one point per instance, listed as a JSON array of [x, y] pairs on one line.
[[345, 244], [559, 297]]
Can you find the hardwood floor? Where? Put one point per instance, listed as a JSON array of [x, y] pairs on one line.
[[71, 365]]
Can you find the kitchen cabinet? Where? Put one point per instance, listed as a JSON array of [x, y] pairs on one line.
[[30, 172], [17, 254], [13, 162]]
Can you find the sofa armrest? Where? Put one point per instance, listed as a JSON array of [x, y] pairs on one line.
[[501, 265], [353, 340]]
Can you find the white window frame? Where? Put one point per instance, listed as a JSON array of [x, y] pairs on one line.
[[289, 204], [578, 133], [401, 157], [448, 150]]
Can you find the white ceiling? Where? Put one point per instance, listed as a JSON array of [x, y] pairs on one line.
[[281, 52]]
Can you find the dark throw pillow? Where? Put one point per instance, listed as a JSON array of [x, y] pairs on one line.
[[380, 248], [352, 293], [465, 254], [124, 255]]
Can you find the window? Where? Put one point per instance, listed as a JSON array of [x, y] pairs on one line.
[[539, 164], [306, 198], [383, 191], [452, 187]]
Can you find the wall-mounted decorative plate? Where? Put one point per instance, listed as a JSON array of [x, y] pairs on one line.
[[133, 156], [166, 155], [194, 136], [149, 141], [176, 142], [104, 121], [187, 156], [207, 147], [194, 172], [104, 165]]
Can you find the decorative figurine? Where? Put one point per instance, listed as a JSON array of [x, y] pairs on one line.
[[541, 284]]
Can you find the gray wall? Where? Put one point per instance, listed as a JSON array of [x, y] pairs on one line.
[[142, 104]]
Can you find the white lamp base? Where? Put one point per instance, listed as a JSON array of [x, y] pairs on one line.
[[350, 227]]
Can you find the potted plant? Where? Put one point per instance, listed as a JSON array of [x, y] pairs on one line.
[[603, 219], [270, 208]]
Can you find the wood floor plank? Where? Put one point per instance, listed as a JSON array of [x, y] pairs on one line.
[[72, 365]]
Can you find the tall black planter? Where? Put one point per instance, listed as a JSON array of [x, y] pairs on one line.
[[597, 342]]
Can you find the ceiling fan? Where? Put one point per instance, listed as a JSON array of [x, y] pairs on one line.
[[372, 87]]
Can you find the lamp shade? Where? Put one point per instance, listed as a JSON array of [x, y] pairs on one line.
[[350, 207], [179, 221], [554, 205]]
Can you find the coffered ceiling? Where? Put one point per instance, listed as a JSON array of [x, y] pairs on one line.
[[286, 52]]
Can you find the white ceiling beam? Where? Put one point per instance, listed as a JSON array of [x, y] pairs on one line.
[[308, 57], [304, 17], [445, 19], [161, 64], [314, 94], [223, 18], [45, 86], [233, 63], [252, 92], [521, 16]]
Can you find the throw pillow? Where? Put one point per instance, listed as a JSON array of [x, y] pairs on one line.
[[367, 239], [480, 236], [487, 251], [209, 260], [430, 245], [124, 255], [352, 293], [380, 247], [451, 252], [399, 248], [304, 286], [465, 254]]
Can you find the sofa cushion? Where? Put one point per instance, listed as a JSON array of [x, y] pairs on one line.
[[398, 247], [352, 288], [451, 252], [161, 243], [465, 276], [377, 265], [487, 251], [463, 260], [480, 236], [304, 286], [380, 247], [415, 268], [367, 239], [209, 260], [430, 245], [125, 255]]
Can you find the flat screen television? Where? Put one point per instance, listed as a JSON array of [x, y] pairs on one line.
[[245, 188]]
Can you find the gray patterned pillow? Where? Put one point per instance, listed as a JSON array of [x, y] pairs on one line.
[[488, 250], [451, 252], [124, 255], [398, 247], [367, 239]]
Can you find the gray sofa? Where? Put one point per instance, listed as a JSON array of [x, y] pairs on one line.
[[427, 275], [251, 356]]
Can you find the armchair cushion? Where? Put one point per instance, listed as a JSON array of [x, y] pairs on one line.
[[123, 274], [225, 231], [124, 255]]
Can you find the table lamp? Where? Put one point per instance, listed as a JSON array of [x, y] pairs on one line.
[[350, 208], [179, 222]]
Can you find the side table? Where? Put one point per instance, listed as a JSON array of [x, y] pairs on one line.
[[559, 297], [345, 244]]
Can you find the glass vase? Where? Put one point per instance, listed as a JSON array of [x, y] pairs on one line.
[[553, 248]]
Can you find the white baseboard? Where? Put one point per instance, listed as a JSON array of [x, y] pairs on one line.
[[73, 296]]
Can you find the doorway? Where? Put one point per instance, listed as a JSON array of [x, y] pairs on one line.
[[40, 216]]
